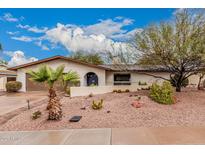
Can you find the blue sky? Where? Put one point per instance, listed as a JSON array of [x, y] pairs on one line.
[[31, 34]]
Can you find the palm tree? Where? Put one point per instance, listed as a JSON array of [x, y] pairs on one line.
[[70, 77], [50, 76]]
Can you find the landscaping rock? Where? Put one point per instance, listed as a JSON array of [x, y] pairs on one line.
[[75, 118], [137, 104]]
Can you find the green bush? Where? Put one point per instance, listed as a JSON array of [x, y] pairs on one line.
[[142, 83], [184, 83], [36, 115], [114, 91], [127, 90], [162, 94], [97, 105], [13, 86]]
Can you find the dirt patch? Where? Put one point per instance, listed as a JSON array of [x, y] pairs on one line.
[[188, 111]]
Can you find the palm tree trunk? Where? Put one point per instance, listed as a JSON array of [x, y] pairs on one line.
[[54, 106]]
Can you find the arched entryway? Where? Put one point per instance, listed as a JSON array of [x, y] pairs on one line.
[[91, 79]]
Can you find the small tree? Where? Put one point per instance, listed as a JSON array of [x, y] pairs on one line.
[[50, 76], [70, 77], [177, 46], [92, 58]]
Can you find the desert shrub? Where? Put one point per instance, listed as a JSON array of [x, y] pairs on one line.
[[114, 91], [90, 95], [142, 83], [184, 83], [162, 94], [36, 115], [13, 86], [97, 105], [127, 90], [92, 85]]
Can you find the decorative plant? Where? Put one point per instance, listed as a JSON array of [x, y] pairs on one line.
[[119, 91], [97, 105], [36, 115], [90, 95], [162, 94], [50, 76], [92, 85], [114, 91], [127, 90], [13, 86], [142, 83]]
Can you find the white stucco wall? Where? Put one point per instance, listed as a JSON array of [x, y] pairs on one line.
[[82, 70]]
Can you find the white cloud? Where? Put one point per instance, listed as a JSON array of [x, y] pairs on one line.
[[109, 27], [106, 35], [127, 36], [23, 38], [10, 18], [18, 58], [33, 29], [43, 47], [12, 33], [77, 40]]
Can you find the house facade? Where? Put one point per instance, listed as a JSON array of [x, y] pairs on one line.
[[95, 79]]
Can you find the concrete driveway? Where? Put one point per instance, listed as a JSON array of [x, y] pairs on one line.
[[13, 101]]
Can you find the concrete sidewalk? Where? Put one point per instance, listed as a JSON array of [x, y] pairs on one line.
[[107, 136]]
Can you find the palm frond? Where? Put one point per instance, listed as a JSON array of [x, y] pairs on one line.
[[71, 76], [40, 75]]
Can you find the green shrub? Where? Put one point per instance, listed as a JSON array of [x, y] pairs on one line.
[[184, 83], [36, 115], [13, 86], [119, 91], [142, 83], [90, 95], [114, 91], [97, 105], [92, 85], [127, 90], [162, 94]]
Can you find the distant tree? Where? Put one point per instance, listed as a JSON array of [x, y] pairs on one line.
[[92, 58], [178, 46], [1, 47]]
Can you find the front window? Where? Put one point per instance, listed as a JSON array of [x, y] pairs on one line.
[[122, 79]]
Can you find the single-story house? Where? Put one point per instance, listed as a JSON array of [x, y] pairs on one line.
[[5, 76], [95, 79]]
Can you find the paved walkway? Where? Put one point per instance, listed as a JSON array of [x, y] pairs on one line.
[[167, 135]]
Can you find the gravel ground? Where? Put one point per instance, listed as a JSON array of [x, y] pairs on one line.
[[188, 111]]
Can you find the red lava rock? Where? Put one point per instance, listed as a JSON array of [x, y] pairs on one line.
[[137, 104]]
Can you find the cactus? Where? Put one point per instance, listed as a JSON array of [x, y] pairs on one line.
[[97, 105]]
